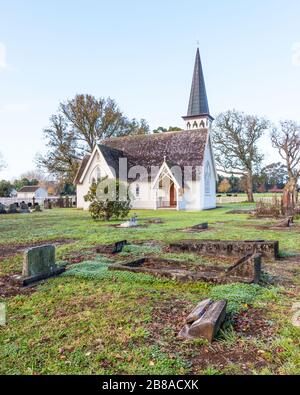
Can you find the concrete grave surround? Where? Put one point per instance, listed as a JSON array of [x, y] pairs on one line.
[[246, 270]]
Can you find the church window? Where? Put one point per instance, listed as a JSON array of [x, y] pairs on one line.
[[202, 125], [188, 126], [195, 125], [207, 178], [95, 175], [137, 190]]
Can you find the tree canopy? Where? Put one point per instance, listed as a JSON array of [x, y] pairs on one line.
[[78, 126]]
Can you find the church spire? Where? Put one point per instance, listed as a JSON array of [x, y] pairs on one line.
[[198, 116], [198, 104]]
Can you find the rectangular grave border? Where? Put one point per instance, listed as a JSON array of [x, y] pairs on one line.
[[246, 270]]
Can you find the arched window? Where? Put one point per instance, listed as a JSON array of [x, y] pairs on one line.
[[195, 125], [137, 191], [202, 124], [207, 178], [95, 175], [188, 125]]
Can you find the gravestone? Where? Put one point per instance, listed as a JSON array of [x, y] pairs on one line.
[[2, 209], [24, 208], [39, 264], [37, 208], [12, 209], [114, 248]]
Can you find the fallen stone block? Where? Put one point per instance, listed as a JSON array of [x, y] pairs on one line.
[[208, 325], [114, 248], [39, 264]]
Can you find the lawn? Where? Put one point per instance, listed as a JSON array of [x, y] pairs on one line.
[[91, 321]]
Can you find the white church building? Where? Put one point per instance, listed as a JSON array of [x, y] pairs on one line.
[[171, 170]]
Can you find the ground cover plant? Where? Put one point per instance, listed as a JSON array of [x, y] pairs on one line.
[[92, 321]]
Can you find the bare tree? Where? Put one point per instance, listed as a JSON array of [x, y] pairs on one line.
[[287, 141], [235, 138]]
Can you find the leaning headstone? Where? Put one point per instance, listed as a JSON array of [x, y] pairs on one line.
[[39, 264], [37, 208], [24, 208], [114, 248], [208, 325], [2, 209]]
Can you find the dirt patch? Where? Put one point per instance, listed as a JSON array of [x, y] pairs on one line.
[[169, 317], [8, 288], [73, 258], [284, 271], [253, 323], [12, 249]]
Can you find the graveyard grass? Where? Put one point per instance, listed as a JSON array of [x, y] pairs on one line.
[[90, 321]]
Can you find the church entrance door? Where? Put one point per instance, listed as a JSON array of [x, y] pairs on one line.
[[173, 199]]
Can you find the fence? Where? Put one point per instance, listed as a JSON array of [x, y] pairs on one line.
[[242, 199], [40, 201]]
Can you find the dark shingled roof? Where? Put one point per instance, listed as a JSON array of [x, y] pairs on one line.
[[184, 148], [29, 188], [112, 157], [198, 104]]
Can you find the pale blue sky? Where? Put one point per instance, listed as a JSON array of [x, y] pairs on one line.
[[141, 53]]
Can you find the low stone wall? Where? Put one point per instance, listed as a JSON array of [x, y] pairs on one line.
[[268, 249]]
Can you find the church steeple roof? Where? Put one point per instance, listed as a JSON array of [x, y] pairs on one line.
[[198, 104]]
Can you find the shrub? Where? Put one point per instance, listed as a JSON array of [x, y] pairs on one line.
[[110, 199]]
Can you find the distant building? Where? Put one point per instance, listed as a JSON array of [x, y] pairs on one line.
[[30, 192]]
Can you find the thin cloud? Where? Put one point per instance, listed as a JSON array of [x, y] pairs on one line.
[[296, 54], [3, 63]]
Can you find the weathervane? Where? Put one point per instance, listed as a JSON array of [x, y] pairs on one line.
[[198, 43]]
